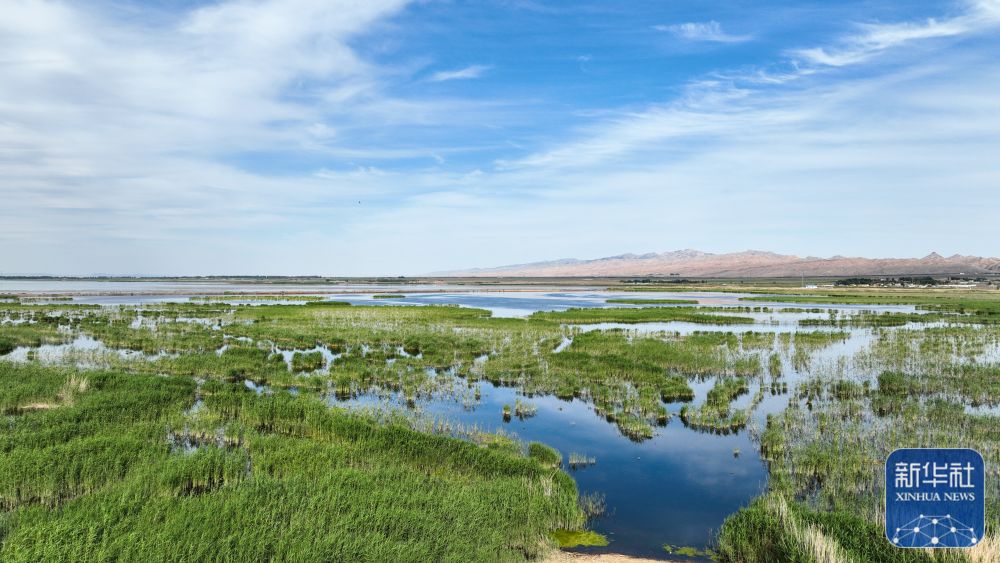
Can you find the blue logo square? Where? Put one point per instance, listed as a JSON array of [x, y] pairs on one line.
[[934, 497]]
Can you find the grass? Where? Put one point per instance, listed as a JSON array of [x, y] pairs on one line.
[[93, 478], [114, 462], [580, 461], [579, 538], [307, 361], [825, 452], [524, 409], [687, 551], [715, 414], [548, 457], [628, 378]]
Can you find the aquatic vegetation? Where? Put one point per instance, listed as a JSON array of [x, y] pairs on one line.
[[579, 538], [388, 296], [715, 414], [225, 415], [826, 449], [580, 461], [687, 551], [593, 505], [628, 379], [96, 475], [548, 457], [524, 409], [307, 361], [774, 365], [392, 348], [968, 306]]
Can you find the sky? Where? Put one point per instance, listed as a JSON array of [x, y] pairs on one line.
[[394, 137]]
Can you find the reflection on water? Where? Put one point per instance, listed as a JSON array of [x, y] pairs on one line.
[[82, 351], [676, 487]]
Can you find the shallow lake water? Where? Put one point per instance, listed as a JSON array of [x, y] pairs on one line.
[[675, 488]]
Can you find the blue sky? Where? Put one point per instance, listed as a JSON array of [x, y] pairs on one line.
[[342, 137]]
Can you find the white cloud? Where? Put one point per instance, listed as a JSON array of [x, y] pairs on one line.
[[117, 140], [114, 132], [702, 31], [729, 103], [471, 71], [874, 38], [820, 160]]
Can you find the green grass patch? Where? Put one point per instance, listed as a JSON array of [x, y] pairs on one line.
[[579, 538], [93, 476]]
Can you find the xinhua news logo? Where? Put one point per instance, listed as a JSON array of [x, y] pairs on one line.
[[934, 497]]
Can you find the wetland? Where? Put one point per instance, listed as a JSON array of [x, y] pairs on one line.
[[446, 423]]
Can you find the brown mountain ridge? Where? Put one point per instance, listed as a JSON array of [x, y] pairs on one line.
[[747, 264]]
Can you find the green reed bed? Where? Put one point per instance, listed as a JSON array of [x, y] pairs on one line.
[[580, 461], [627, 380], [627, 377], [307, 361], [826, 451], [35, 334], [963, 306], [716, 414], [93, 476], [883, 319], [113, 463]]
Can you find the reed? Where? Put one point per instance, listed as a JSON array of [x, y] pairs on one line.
[[97, 478], [580, 461], [157, 429]]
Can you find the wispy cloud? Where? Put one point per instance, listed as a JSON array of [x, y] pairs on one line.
[[702, 31], [785, 150], [471, 71], [146, 144], [724, 104], [112, 134], [874, 38]]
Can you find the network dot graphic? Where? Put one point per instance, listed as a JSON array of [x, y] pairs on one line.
[[935, 531]]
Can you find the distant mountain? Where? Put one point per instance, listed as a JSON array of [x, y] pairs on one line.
[[748, 264]]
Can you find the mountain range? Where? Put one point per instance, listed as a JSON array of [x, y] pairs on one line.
[[748, 264]]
